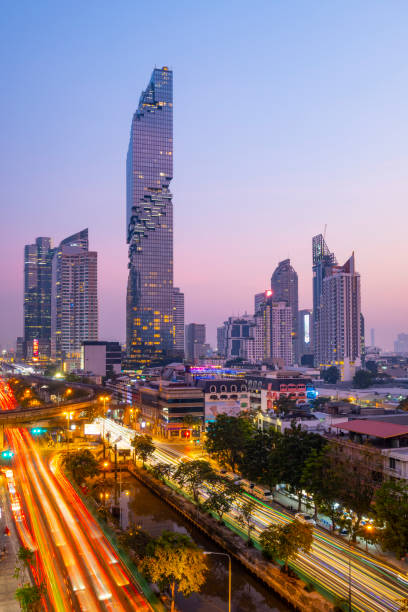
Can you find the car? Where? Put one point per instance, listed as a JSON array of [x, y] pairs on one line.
[[305, 518]]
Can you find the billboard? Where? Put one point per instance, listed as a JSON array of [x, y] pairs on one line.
[[35, 348], [228, 407], [92, 429]]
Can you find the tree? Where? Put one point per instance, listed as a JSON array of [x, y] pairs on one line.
[[362, 379], [259, 461], [284, 405], [331, 375], [391, 514], [144, 447], [192, 474], [403, 605], [162, 471], [226, 439], [173, 561], [30, 597], [372, 367], [221, 496], [245, 516], [285, 541], [82, 464], [324, 480], [292, 451]]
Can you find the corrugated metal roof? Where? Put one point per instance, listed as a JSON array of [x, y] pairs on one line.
[[379, 429]]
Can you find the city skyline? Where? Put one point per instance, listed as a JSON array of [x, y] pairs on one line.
[[335, 157]]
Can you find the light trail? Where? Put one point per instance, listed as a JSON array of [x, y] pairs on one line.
[[375, 586]]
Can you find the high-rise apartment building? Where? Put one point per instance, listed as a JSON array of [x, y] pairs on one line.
[[149, 171], [37, 299], [195, 340], [277, 331], [221, 340], [178, 321], [340, 319], [284, 284], [74, 299], [323, 261], [401, 344]]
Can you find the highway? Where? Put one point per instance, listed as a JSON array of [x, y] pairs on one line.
[[80, 567], [332, 564]]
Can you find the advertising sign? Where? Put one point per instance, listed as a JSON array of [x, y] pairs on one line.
[[229, 407], [92, 429]]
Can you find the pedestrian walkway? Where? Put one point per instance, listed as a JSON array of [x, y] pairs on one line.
[[8, 584]]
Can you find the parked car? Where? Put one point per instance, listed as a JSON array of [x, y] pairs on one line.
[[305, 518]]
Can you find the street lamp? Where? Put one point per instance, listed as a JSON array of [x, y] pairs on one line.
[[369, 529], [68, 415], [210, 552]]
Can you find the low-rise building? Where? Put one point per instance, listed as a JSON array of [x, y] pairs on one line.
[[224, 396], [265, 391], [101, 358]]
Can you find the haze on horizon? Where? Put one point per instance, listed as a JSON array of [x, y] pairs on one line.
[[287, 117]]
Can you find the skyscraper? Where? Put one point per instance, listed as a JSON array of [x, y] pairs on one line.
[[340, 319], [149, 171], [195, 340], [284, 284], [37, 298], [74, 300], [178, 321], [323, 261], [277, 331]]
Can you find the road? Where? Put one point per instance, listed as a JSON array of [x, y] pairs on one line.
[[332, 564]]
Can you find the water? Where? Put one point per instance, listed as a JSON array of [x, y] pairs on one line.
[[141, 507]]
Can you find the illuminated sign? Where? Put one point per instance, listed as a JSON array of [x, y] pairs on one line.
[[92, 429], [306, 324], [35, 348]]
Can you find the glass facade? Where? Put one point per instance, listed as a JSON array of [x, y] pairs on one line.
[[37, 296], [150, 330]]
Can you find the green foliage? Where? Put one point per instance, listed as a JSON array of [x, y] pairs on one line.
[[226, 439], [391, 513], [284, 542], [222, 495], [136, 540], [292, 452], [362, 379], [259, 459], [82, 464], [284, 405], [245, 516], [173, 561], [331, 375], [192, 474], [162, 471], [29, 597], [144, 447], [323, 478]]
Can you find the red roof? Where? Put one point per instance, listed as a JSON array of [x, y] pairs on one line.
[[378, 429]]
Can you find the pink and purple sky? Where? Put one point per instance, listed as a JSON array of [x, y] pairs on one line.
[[288, 116]]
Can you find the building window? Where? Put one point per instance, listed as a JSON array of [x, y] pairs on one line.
[[243, 387], [213, 397], [213, 389], [223, 388], [233, 387], [392, 463]]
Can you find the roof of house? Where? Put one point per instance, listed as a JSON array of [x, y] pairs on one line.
[[378, 429]]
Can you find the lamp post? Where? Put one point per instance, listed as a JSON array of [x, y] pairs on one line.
[[68, 415], [210, 552], [104, 399]]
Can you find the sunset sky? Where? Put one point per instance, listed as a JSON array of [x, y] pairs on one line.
[[287, 116]]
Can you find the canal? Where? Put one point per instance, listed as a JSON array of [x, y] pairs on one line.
[[140, 507]]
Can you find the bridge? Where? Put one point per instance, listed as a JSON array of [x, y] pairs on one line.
[[21, 417]]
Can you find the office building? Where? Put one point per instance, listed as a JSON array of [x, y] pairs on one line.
[[101, 358], [305, 336], [178, 321], [323, 262], [195, 341], [401, 344], [37, 299], [284, 284], [259, 298], [221, 340], [74, 299], [149, 171], [340, 322], [237, 336]]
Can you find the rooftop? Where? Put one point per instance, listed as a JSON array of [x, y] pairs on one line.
[[378, 429]]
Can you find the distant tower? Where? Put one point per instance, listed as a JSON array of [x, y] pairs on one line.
[[305, 333], [372, 336], [74, 299], [178, 321], [37, 298], [277, 330], [323, 262], [284, 284], [195, 340]]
